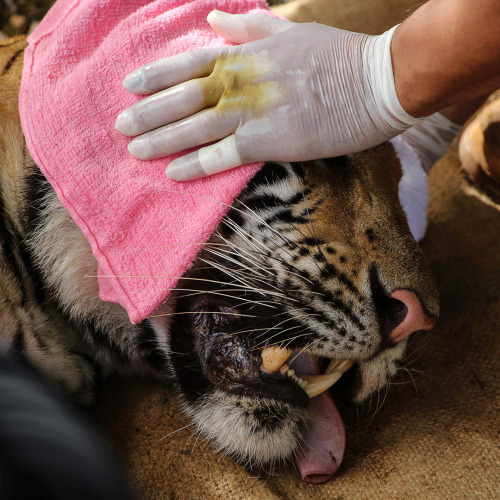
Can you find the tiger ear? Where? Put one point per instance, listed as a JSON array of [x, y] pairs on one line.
[[479, 152]]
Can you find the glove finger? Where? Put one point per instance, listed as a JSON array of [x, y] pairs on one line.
[[169, 106], [212, 159], [165, 73], [201, 128], [242, 28]]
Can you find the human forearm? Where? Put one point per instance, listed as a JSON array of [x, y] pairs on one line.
[[293, 92], [448, 51]]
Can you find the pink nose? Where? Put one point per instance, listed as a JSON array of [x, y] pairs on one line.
[[415, 318]]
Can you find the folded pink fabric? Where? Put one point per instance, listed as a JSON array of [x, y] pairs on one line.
[[144, 229]]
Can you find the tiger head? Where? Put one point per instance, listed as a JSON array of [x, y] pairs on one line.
[[313, 267]]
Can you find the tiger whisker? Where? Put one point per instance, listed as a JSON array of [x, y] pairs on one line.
[[285, 342], [266, 224], [252, 259], [252, 277], [239, 263], [204, 312], [243, 234], [236, 275], [290, 340], [287, 264], [212, 292], [302, 350], [252, 330], [266, 341], [229, 272], [173, 432], [296, 326]]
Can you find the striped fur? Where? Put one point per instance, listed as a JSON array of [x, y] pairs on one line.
[[299, 260]]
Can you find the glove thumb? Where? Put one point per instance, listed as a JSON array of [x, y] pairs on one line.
[[242, 28]]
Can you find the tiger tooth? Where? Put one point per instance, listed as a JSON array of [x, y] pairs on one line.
[[332, 366], [302, 383], [284, 369], [273, 358], [339, 365], [316, 384], [320, 383]]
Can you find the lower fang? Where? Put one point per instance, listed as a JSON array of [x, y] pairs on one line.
[[339, 365], [316, 384]]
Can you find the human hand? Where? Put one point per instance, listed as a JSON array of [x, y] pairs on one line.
[[290, 92]]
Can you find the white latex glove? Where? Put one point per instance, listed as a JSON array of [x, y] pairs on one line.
[[431, 138], [291, 92], [418, 149]]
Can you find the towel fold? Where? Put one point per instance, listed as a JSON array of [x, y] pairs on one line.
[[144, 229]]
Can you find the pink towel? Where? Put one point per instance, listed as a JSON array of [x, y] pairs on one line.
[[144, 229]]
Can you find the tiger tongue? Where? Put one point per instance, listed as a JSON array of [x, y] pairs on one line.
[[322, 448]]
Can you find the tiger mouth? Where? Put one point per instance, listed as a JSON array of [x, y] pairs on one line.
[[228, 359], [323, 437], [274, 360], [220, 356]]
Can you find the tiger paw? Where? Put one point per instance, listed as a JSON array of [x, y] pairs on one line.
[[479, 151]]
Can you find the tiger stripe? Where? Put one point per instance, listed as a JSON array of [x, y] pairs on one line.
[[304, 258]]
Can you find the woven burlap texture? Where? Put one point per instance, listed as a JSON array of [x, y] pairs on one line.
[[436, 435]]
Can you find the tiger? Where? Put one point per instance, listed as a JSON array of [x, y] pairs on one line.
[[313, 258]]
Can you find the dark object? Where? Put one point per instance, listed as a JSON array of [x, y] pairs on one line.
[[47, 448]]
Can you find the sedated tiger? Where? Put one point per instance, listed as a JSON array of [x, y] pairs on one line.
[[313, 268]]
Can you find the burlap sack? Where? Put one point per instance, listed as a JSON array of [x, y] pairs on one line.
[[435, 434]]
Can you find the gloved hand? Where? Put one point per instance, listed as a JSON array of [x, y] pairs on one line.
[[290, 92]]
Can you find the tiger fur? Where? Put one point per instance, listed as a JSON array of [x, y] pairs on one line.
[[307, 257]]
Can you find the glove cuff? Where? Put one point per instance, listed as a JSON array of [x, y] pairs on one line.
[[431, 138], [388, 113]]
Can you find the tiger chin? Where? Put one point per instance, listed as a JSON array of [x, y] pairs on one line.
[[311, 276]]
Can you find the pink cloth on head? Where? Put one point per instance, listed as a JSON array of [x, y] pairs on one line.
[[144, 229]]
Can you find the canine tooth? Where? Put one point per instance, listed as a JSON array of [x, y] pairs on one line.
[[273, 358], [316, 384], [320, 383], [339, 365]]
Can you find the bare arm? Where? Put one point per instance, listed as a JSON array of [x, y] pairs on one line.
[[328, 92], [446, 52]]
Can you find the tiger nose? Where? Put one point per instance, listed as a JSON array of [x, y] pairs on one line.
[[413, 319]]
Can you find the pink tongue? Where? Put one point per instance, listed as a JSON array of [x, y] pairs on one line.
[[322, 448]]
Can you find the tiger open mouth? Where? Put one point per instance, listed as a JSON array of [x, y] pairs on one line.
[[323, 439], [220, 349], [233, 362], [274, 360]]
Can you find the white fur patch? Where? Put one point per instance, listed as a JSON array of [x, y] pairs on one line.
[[230, 422]]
